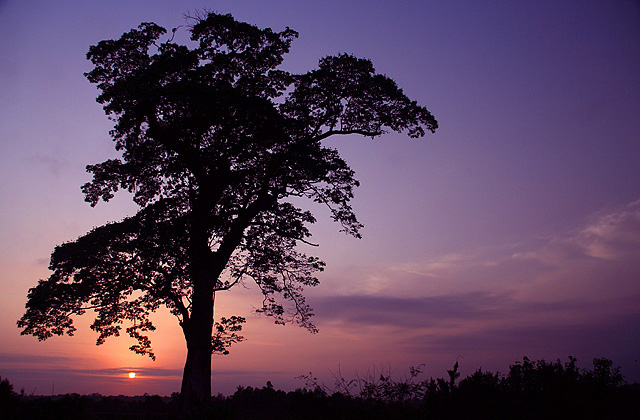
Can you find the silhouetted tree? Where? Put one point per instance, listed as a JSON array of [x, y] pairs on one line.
[[215, 140]]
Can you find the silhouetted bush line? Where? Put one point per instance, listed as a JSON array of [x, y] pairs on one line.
[[531, 390]]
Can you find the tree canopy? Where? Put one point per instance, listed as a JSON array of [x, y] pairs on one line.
[[216, 141]]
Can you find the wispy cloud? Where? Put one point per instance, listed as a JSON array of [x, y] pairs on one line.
[[612, 236], [15, 358], [482, 309], [409, 312]]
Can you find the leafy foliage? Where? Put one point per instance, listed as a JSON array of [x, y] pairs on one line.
[[225, 334]]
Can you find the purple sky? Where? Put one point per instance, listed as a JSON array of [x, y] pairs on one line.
[[513, 231]]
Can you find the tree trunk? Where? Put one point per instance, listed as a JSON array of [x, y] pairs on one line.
[[196, 380]]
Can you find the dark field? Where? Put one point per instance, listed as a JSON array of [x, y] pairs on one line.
[[530, 390]]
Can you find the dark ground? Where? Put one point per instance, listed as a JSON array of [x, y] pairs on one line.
[[531, 390]]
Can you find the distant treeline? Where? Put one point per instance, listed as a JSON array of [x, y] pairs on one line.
[[530, 390]]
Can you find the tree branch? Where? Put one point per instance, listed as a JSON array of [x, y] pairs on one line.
[[330, 133]]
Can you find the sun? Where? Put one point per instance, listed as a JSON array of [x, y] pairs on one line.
[[132, 375]]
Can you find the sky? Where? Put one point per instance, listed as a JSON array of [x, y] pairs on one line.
[[512, 231]]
